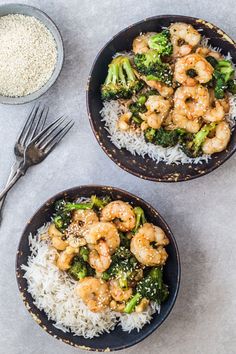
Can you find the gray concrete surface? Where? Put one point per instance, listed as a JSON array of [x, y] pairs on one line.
[[201, 213]]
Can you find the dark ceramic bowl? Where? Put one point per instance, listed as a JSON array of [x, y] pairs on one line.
[[117, 339], [145, 167]]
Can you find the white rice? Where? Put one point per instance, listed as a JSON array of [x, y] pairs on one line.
[[135, 143], [54, 292]]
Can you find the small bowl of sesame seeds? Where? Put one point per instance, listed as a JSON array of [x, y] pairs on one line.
[[31, 55]]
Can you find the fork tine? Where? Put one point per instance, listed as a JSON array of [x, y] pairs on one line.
[[33, 124], [25, 128], [40, 121], [46, 132], [58, 137], [56, 134]]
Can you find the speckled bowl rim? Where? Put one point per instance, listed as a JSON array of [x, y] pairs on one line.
[[19, 272], [29, 10], [119, 162]]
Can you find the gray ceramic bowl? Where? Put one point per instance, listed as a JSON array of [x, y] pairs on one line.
[[7, 9]]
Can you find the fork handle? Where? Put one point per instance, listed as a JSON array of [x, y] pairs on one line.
[[19, 173], [14, 168]]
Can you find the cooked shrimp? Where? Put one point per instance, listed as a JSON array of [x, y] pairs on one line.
[[206, 52], [99, 257], [53, 231], [123, 121], [225, 104], [56, 238], [121, 213], [158, 109], [58, 243], [118, 293], [216, 111], [163, 89], [219, 142], [183, 37], [82, 221], [65, 258], [158, 104], [193, 102], [94, 293], [182, 121], [142, 249], [85, 217], [154, 120], [215, 114], [140, 43], [192, 69], [106, 231]]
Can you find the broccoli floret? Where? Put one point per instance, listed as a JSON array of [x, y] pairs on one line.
[[150, 65], [124, 267], [61, 217], [165, 138], [124, 240], [149, 135], [222, 77], [161, 43], [138, 107], [78, 269], [140, 218], [121, 81], [132, 303], [150, 287], [99, 203], [168, 138], [232, 86], [225, 68], [84, 253], [192, 143]]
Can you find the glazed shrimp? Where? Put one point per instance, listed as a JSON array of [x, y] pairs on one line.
[[158, 109], [85, 217], [94, 293], [217, 109], [140, 43], [142, 249], [219, 142], [215, 114], [205, 52], [124, 120], [121, 213], [193, 69], [192, 102], [184, 38], [99, 257], [163, 89], [65, 258], [119, 294], [182, 121], [106, 231], [57, 238], [82, 220]]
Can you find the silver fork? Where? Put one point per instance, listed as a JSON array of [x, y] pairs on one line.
[[33, 125], [39, 148]]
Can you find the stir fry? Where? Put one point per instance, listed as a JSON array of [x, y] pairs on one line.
[[113, 252], [176, 92]]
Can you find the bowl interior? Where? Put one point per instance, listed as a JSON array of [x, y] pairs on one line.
[[117, 339], [145, 167], [22, 9]]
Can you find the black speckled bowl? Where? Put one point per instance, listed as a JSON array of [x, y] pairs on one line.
[[145, 167], [117, 339]]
